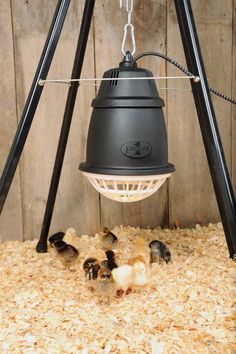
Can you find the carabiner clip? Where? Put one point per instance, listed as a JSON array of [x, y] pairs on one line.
[[132, 38]]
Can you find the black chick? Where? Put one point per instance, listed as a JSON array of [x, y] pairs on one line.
[[67, 254], [110, 262], [58, 236], [159, 250], [108, 239]]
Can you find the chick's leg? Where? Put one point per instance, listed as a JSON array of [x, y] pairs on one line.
[[129, 291]]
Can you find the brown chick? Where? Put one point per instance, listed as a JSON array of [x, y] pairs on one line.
[[107, 239], [67, 254], [141, 249], [106, 287], [133, 260]]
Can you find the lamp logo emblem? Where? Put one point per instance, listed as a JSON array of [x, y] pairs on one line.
[[136, 149]]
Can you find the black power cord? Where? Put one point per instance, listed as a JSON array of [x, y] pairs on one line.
[[183, 69]]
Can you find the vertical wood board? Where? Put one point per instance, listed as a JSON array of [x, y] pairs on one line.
[[234, 95], [76, 203], [11, 217], [191, 194]]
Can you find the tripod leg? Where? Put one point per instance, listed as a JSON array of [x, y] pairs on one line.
[[32, 100], [208, 124], [71, 97]]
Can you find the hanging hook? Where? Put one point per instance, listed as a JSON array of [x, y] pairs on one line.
[[128, 25], [129, 9]]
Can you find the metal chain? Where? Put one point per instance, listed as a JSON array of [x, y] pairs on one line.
[[128, 26]]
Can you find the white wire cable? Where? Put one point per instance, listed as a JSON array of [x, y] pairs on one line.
[[68, 81]]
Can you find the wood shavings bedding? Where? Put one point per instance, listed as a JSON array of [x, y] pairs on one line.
[[189, 307]]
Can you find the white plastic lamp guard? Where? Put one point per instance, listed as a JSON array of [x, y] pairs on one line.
[[126, 188]]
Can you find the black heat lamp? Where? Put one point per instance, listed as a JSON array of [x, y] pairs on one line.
[[127, 152]]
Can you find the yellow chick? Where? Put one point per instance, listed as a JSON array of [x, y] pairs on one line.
[[71, 237], [141, 249], [141, 274], [123, 277]]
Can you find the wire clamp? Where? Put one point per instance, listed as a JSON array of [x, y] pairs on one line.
[[196, 79]]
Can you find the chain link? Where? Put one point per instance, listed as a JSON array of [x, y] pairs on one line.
[[129, 5], [128, 26]]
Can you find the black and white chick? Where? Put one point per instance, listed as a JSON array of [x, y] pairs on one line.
[[67, 254], [107, 239], [91, 267], [159, 251], [58, 236], [110, 262]]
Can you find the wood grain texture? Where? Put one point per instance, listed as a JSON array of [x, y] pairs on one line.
[[191, 192], [234, 95], [149, 20], [11, 218], [77, 202]]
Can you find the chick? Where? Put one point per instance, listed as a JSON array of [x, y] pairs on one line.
[[67, 254], [141, 275], [133, 260], [106, 287], [88, 265], [141, 249], [123, 277], [159, 250], [55, 237], [110, 262], [71, 237], [107, 239], [91, 268]]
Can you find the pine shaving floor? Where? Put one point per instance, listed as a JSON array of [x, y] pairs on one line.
[[189, 308]]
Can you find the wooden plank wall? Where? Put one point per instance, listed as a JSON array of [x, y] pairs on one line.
[[188, 197], [11, 223], [234, 94], [191, 193]]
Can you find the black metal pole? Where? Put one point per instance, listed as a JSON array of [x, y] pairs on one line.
[[32, 100], [208, 124], [71, 97]]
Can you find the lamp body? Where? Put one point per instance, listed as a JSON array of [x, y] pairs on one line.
[[127, 133]]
